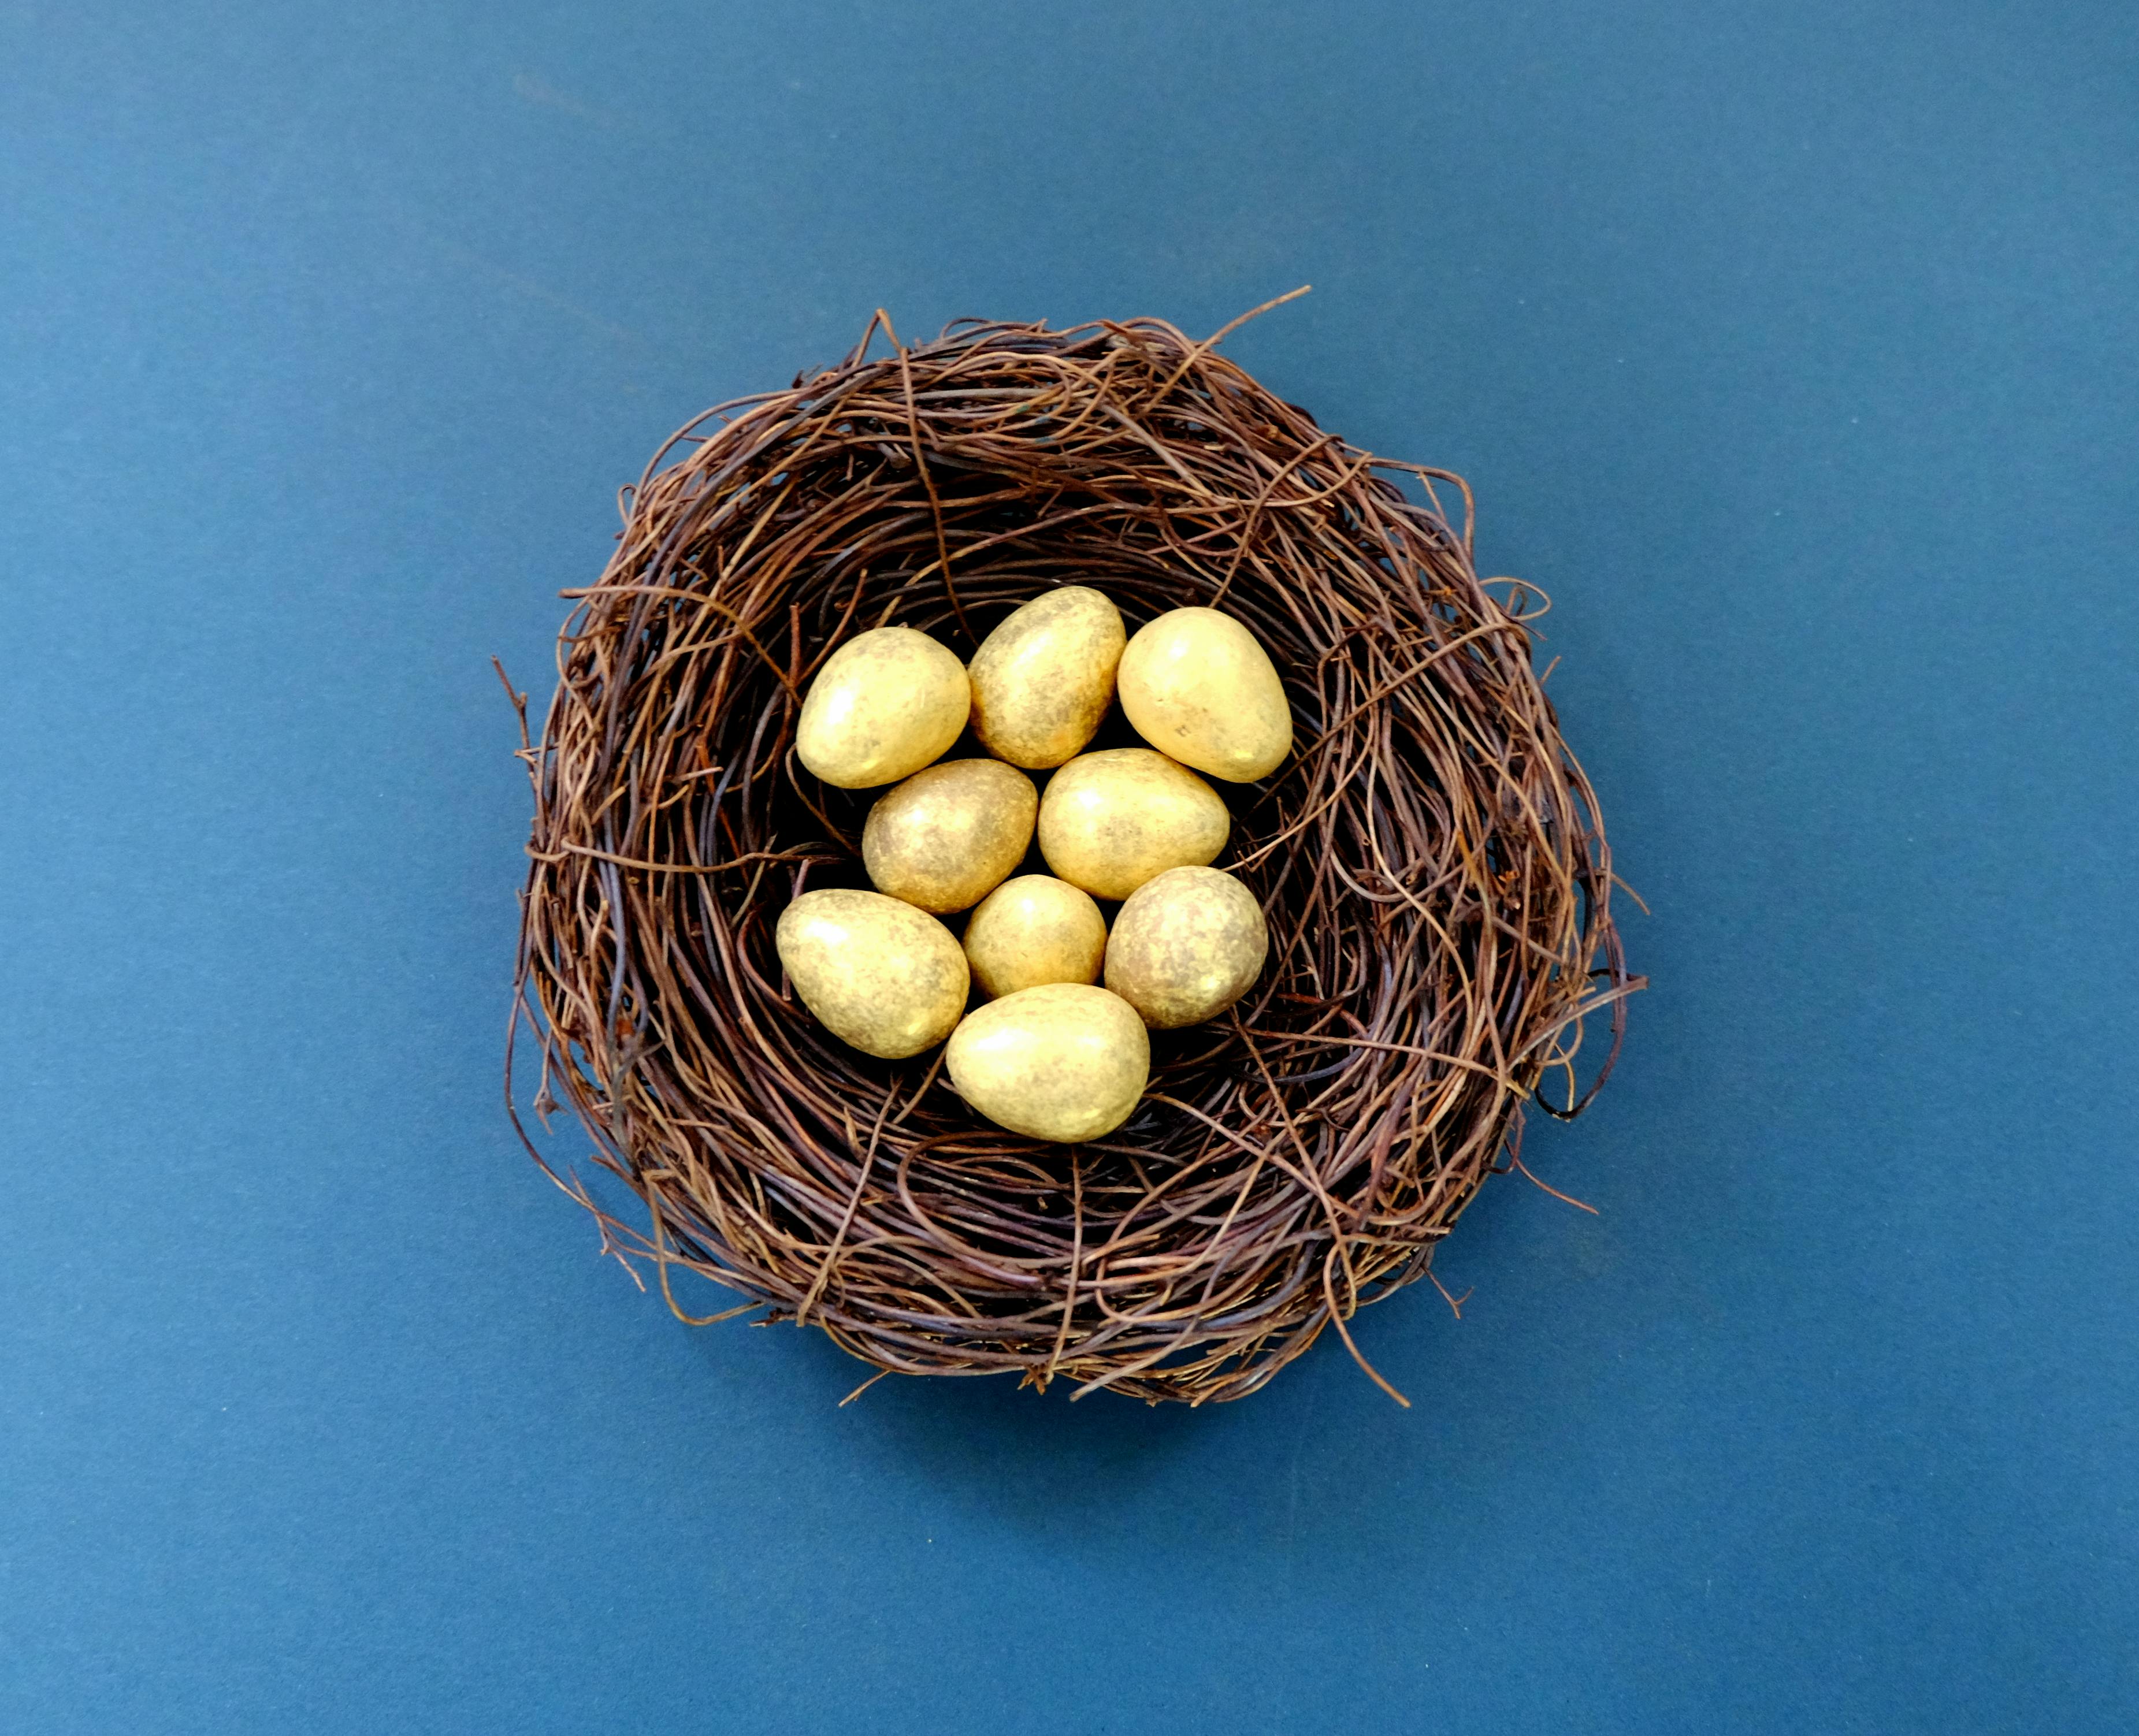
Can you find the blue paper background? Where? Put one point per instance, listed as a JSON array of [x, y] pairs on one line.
[[1792, 346]]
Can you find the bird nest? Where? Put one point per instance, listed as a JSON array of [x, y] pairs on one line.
[[1430, 862]]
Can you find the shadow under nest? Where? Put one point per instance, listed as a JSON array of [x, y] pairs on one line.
[[1430, 862]]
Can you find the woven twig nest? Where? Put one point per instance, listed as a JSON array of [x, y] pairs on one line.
[[1430, 862]]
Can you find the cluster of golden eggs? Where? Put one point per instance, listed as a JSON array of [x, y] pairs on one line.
[[1050, 1053]]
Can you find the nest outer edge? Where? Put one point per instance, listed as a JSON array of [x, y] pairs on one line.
[[1431, 861]]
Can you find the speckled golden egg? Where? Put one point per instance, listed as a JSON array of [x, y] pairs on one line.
[[884, 705], [1043, 678], [1034, 930], [877, 973], [945, 837], [1196, 686], [1063, 1061], [1111, 820], [1187, 945]]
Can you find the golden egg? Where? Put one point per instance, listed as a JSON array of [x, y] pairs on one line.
[[1034, 930], [1065, 1061], [1111, 820], [945, 837], [884, 705], [1195, 685], [1043, 679], [1187, 945], [878, 974]]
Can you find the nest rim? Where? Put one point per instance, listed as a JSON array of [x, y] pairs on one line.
[[1298, 1160]]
